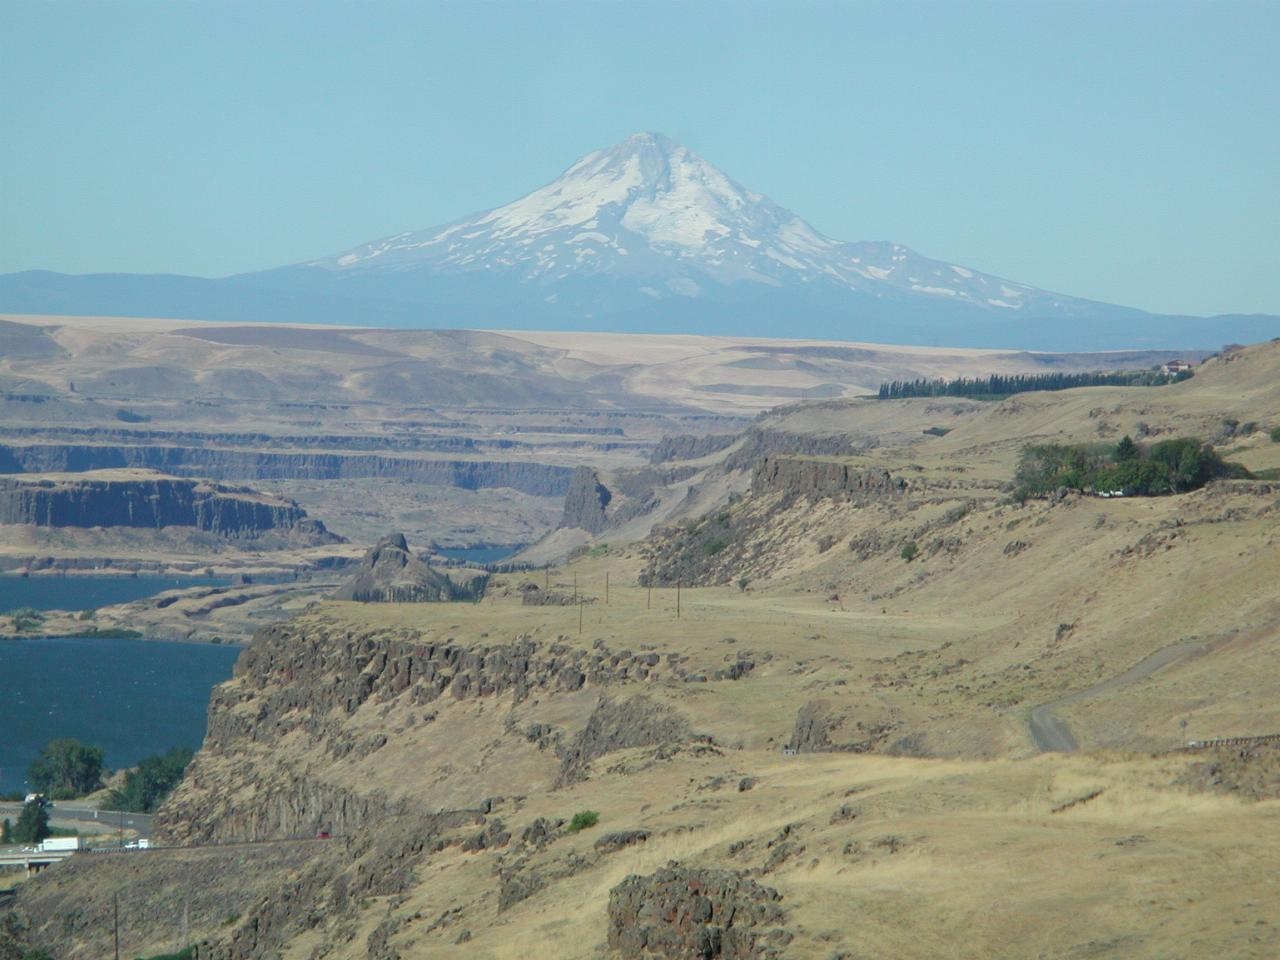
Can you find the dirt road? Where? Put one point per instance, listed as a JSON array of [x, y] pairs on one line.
[[1050, 732]]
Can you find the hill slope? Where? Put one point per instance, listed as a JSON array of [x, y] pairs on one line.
[[827, 749]]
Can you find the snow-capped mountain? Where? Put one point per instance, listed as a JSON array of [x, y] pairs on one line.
[[645, 236], [652, 214]]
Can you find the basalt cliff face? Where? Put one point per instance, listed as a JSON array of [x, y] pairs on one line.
[[154, 501], [586, 501], [538, 479], [815, 479], [349, 693]]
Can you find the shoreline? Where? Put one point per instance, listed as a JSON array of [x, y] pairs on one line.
[[141, 637]]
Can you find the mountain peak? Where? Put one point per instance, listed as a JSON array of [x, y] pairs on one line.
[[647, 220]]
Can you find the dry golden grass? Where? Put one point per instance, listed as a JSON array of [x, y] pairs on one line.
[[984, 850]]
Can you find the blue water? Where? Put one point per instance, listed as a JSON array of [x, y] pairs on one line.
[[478, 554], [132, 698], [88, 593]]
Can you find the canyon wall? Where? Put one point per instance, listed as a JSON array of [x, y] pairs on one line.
[[537, 479], [153, 502], [815, 479]]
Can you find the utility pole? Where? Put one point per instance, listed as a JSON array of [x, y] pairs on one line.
[[115, 909], [677, 599]]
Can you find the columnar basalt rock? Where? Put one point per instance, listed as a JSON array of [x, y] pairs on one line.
[[153, 501], [816, 479], [586, 501], [682, 912], [537, 479], [300, 679]]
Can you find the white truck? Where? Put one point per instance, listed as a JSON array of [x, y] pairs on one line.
[[59, 844]]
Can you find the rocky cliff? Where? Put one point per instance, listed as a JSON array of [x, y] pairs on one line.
[[389, 573], [815, 479], [761, 441], [538, 479], [689, 912], [585, 502], [690, 447], [139, 499], [307, 680]]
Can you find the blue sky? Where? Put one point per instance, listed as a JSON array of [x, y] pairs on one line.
[[1124, 151]]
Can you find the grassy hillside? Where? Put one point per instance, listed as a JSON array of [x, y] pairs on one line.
[[974, 748]]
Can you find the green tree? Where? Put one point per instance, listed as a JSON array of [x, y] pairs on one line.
[[66, 768], [33, 823], [6, 831], [146, 787], [1190, 463], [1126, 449]]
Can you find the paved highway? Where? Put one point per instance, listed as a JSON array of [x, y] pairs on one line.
[[140, 822]]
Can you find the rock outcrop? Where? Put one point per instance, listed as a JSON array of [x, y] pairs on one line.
[[538, 479], [586, 501], [140, 499], [389, 573], [814, 721], [816, 479], [637, 722], [759, 442], [300, 680], [690, 447], [682, 912]]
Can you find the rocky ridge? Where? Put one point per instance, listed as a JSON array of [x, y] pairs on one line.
[[150, 500], [815, 479], [681, 911], [538, 479], [389, 573]]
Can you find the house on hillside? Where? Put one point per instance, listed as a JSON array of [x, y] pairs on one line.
[[1174, 367]]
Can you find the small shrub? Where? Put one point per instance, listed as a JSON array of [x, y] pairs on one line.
[[1275, 434], [583, 820], [910, 551], [714, 546]]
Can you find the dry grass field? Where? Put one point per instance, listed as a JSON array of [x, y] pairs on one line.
[[821, 716]]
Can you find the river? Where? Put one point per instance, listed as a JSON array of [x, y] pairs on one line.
[[132, 698], [73, 592]]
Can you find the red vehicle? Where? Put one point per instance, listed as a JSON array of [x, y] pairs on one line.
[[322, 834]]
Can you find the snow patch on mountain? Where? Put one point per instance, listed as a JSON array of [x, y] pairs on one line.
[[653, 216]]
